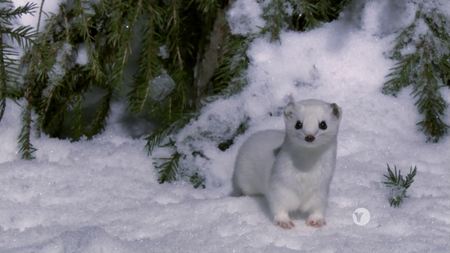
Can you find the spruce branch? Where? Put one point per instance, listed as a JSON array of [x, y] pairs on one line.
[[4, 64], [84, 25], [76, 123], [168, 168], [26, 149], [400, 74], [230, 78], [174, 110], [209, 6], [156, 138], [23, 36], [275, 16], [121, 37], [427, 69], [306, 15], [101, 114], [197, 180], [309, 14], [149, 62], [398, 184], [9, 13]]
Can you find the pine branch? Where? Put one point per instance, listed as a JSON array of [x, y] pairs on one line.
[[21, 35], [308, 11], [5, 62], [173, 109], [322, 8], [208, 6], [118, 37], [121, 37], [149, 62], [40, 58], [76, 123], [309, 14], [102, 114], [48, 69], [159, 135], [168, 169], [398, 184], [55, 116], [84, 18], [240, 130], [197, 180], [275, 16], [230, 77], [7, 14], [427, 69], [26, 149], [400, 74]]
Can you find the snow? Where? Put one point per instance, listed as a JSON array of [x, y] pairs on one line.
[[50, 6], [163, 53], [58, 70], [103, 195], [161, 86], [82, 56], [245, 17]]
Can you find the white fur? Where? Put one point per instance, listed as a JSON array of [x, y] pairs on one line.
[[291, 172]]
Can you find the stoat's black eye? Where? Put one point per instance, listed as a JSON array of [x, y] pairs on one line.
[[323, 125], [298, 125]]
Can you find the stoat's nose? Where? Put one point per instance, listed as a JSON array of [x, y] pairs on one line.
[[309, 138]]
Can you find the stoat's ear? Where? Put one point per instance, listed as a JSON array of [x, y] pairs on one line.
[[289, 110], [336, 111]]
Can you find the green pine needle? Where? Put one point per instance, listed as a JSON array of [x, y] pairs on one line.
[[398, 184], [157, 137], [23, 36], [167, 168], [26, 149], [427, 69]]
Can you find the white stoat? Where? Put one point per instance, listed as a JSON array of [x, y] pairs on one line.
[[292, 168]]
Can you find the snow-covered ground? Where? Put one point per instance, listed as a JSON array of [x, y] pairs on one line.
[[103, 195]]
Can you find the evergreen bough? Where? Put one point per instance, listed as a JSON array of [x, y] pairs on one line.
[[398, 185], [56, 89], [422, 54], [9, 68]]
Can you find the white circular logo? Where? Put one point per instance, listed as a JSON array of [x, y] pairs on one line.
[[361, 216]]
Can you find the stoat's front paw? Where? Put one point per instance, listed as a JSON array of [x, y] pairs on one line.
[[316, 221], [286, 224]]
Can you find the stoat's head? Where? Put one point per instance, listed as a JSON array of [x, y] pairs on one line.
[[312, 122]]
